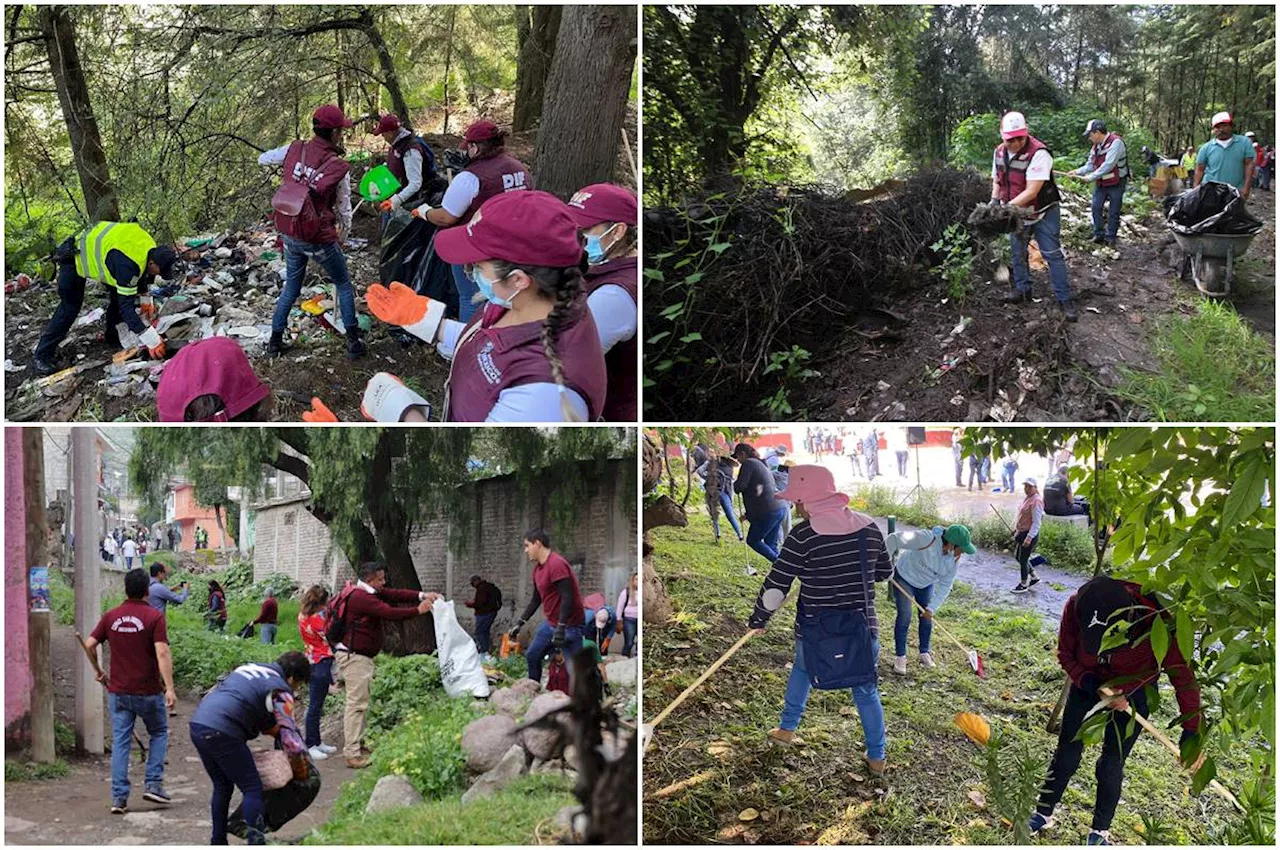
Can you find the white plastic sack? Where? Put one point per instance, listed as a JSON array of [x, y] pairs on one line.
[[460, 669]]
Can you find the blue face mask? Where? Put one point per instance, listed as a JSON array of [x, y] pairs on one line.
[[596, 249], [487, 290]]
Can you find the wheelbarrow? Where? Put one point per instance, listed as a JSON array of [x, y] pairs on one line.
[[1212, 259]]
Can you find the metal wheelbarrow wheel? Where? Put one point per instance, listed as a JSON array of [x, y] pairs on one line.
[[1212, 258]]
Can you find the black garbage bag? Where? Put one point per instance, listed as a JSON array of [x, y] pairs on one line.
[[404, 242], [282, 804], [1210, 208], [246, 632]]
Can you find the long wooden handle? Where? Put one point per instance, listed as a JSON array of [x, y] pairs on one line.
[[698, 682], [1177, 752], [93, 658], [932, 619]]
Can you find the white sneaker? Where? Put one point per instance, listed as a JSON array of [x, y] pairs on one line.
[[927, 660], [328, 749], [317, 754], [900, 665]]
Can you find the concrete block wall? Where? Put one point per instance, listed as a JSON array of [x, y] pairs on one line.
[[601, 544]]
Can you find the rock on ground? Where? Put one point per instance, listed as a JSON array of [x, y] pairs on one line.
[[392, 792], [510, 767], [528, 687], [484, 741], [510, 701], [621, 673], [543, 743]]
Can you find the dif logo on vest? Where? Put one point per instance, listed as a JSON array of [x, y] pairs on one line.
[[513, 181]]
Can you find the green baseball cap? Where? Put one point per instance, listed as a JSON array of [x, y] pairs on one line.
[[958, 535]]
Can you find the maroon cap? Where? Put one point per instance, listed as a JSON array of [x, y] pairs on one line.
[[387, 123], [532, 228], [216, 366], [483, 131], [328, 117], [601, 202]]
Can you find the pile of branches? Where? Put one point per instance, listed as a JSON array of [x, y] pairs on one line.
[[801, 267]]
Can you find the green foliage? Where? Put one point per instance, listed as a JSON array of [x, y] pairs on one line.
[[1211, 366], [62, 598], [426, 748], [281, 586], [162, 556], [882, 500], [399, 689], [956, 265], [525, 806], [237, 579], [1014, 772], [976, 137], [202, 657], [790, 366], [1067, 546], [64, 737], [16, 770]]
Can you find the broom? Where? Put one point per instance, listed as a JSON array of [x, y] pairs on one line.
[[647, 728]]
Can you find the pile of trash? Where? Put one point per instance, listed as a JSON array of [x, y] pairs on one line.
[[230, 288], [1215, 208]]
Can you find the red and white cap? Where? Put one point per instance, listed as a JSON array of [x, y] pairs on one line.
[[1221, 118], [533, 228], [602, 202], [1013, 125]]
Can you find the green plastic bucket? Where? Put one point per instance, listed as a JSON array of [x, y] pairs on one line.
[[378, 184]]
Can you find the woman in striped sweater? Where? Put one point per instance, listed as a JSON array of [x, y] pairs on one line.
[[837, 555]]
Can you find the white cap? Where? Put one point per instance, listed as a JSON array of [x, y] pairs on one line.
[[1031, 481], [1012, 125], [1221, 118], [1250, 134]]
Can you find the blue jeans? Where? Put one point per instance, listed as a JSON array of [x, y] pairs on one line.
[[1114, 197], [1048, 236], [762, 533], [902, 622], [484, 623], [466, 291], [629, 626], [230, 765], [865, 697], [726, 502], [296, 256], [268, 632], [1007, 474], [542, 645], [125, 710], [321, 678]]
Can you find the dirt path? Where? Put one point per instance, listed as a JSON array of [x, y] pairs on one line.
[[74, 809]]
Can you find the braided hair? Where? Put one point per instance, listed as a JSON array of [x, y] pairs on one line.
[[563, 286]]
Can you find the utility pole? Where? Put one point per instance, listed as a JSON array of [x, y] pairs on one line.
[[39, 617], [90, 729]]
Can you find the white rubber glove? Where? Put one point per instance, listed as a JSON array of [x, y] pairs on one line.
[[421, 211], [387, 399]]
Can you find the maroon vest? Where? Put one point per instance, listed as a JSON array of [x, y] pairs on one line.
[[620, 404], [1012, 176], [497, 174], [488, 360], [1121, 169], [395, 164], [315, 153]]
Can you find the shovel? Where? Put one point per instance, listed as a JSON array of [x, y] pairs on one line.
[[93, 662]]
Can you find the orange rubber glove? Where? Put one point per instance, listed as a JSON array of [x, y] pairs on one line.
[[147, 308], [389, 205], [400, 305], [319, 412]]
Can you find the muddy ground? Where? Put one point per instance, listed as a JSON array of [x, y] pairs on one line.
[[1028, 363], [80, 814]]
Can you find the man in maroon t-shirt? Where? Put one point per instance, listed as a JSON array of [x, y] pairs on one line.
[[555, 588], [140, 661]]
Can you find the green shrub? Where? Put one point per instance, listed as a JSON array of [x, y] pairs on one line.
[[399, 688], [16, 770], [974, 141], [283, 586], [882, 500], [163, 556], [427, 748], [201, 657], [237, 578], [62, 598]]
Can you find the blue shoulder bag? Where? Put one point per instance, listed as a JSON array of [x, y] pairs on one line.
[[837, 643]]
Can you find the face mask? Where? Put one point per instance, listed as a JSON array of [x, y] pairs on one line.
[[487, 290], [596, 249]]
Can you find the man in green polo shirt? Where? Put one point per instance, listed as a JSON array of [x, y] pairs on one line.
[[127, 260], [1227, 157]]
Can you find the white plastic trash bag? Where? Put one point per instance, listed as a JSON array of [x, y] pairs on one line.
[[460, 669]]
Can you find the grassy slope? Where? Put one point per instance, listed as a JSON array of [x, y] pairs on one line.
[[811, 793]]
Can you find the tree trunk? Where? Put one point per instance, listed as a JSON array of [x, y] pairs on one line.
[[536, 31], [657, 608], [448, 62], [586, 98], [389, 77], [100, 200]]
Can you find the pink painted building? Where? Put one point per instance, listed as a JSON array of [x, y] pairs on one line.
[[188, 514], [17, 664]]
